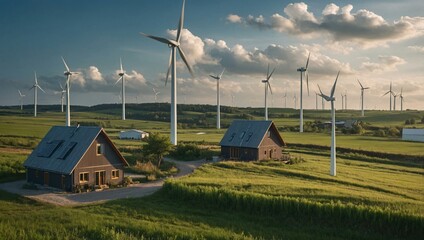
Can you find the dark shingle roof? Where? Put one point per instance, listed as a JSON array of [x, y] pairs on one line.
[[247, 133], [62, 148]]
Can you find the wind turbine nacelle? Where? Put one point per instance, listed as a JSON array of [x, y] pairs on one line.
[[301, 69], [264, 81], [121, 74], [66, 73]]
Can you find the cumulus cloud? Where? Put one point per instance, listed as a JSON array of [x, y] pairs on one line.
[[94, 73], [419, 49], [363, 27], [385, 63]]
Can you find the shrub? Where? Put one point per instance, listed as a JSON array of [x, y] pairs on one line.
[[380, 133], [393, 132]]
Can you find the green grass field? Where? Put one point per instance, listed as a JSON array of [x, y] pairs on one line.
[[371, 197]]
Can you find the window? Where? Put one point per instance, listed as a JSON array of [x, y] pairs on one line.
[[115, 174], [269, 133], [100, 149], [83, 177]]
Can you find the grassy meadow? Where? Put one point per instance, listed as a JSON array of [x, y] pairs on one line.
[[372, 197]]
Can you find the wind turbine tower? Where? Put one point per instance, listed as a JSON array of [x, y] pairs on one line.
[[342, 100], [62, 96], [68, 75], [401, 100], [303, 70], [174, 45], [121, 78], [218, 104], [362, 97], [267, 86], [391, 93], [331, 99], [21, 99], [35, 87]]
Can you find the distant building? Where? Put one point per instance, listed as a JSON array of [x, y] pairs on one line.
[[413, 134], [133, 134], [72, 156], [252, 140]]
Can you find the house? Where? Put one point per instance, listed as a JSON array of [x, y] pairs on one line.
[[72, 157], [133, 134], [413, 134], [252, 140]]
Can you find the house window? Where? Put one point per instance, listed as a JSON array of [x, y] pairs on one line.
[[83, 177], [265, 152], [99, 149], [269, 133], [115, 174]]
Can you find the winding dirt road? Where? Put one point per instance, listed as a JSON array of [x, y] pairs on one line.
[[60, 198]]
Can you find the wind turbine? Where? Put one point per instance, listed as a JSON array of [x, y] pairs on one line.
[[68, 75], [345, 100], [121, 78], [35, 87], [267, 86], [394, 101], [401, 99], [156, 94], [342, 100], [295, 101], [362, 97], [62, 96], [391, 93], [218, 106], [174, 45], [331, 99], [303, 70], [21, 99], [316, 100], [285, 100]]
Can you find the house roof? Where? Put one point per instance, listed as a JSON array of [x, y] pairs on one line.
[[132, 130], [248, 133], [63, 147]]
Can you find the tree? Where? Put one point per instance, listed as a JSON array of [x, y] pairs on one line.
[[158, 146]]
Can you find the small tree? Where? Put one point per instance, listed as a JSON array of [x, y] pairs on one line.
[[158, 146]]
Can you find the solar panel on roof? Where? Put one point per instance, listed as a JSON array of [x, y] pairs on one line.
[[47, 149], [67, 150]]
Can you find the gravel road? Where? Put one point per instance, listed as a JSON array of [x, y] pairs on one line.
[[57, 197]]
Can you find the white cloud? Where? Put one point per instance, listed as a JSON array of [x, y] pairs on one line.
[[94, 73], [234, 18], [419, 49], [386, 63]]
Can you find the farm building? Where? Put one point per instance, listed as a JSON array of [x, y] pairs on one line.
[[71, 157], [412, 134], [252, 140], [133, 134]]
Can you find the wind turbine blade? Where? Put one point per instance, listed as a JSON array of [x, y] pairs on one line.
[[35, 78], [214, 77], [160, 39], [386, 93], [20, 94], [181, 23], [307, 61], [360, 84], [270, 74], [119, 79], [269, 86], [61, 86], [169, 68], [182, 55], [320, 90], [333, 89], [66, 66], [41, 88], [120, 61], [307, 82], [366, 88], [220, 75]]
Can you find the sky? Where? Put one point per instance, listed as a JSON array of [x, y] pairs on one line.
[[375, 42]]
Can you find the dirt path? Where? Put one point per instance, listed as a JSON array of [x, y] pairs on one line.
[[60, 198]]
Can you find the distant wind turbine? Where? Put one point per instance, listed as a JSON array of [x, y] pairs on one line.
[[218, 105], [174, 45], [121, 78], [295, 101], [285, 100], [362, 97], [391, 93], [267, 86], [35, 87], [331, 99], [156, 94], [401, 99], [21, 99], [62, 96], [316, 100], [68, 75], [345, 100], [303, 70], [394, 101], [342, 100]]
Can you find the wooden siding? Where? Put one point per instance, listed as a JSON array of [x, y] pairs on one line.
[[53, 180], [270, 147], [91, 163]]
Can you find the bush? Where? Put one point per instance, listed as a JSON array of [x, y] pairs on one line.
[[186, 152], [393, 132], [380, 133]]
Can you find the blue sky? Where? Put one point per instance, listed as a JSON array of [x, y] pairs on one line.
[[377, 42]]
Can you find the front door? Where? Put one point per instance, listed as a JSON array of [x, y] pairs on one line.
[[100, 178], [46, 178]]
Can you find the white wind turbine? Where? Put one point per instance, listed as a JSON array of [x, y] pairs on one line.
[[316, 100], [35, 87], [285, 100], [156, 94], [62, 96], [218, 106], [345, 100], [267, 86], [121, 78], [391, 93], [342, 100], [394, 101], [174, 45], [362, 97], [331, 99], [68, 75], [295, 101], [303, 70], [21, 99], [401, 99]]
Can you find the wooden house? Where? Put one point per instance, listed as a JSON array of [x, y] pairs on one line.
[[71, 157], [252, 140]]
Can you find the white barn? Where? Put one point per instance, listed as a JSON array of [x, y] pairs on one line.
[[413, 134], [133, 134]]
